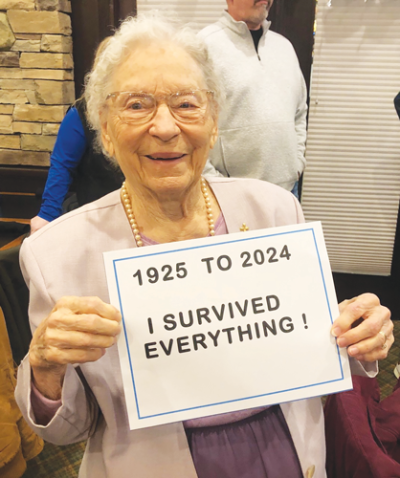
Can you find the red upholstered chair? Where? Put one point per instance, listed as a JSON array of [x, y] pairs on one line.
[[362, 433]]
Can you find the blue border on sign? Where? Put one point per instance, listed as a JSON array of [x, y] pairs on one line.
[[237, 399]]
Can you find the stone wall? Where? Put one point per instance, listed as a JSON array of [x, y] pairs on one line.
[[36, 78]]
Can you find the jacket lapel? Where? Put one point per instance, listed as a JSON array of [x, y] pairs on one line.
[[305, 420]]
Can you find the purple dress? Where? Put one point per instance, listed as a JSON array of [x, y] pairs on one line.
[[257, 446]]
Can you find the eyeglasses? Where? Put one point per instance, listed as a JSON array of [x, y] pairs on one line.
[[138, 108]]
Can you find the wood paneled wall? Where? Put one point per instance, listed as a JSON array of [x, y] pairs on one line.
[[294, 19], [92, 21]]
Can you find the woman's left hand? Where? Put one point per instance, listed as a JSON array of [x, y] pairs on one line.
[[364, 327]]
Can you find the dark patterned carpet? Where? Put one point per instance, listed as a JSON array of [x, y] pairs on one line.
[[56, 462], [386, 379], [63, 462]]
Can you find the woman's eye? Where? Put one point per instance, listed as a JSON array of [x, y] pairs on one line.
[[186, 104], [136, 105]]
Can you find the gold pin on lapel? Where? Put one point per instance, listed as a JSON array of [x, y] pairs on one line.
[[310, 472], [244, 227]]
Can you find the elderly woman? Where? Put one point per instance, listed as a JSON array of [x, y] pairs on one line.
[[153, 98]]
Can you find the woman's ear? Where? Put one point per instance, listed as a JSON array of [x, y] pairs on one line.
[[105, 135], [214, 134]]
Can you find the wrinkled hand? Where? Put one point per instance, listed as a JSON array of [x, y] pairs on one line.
[[369, 338], [37, 223], [78, 330]]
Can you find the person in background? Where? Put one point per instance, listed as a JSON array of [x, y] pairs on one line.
[[154, 99], [262, 126], [74, 157]]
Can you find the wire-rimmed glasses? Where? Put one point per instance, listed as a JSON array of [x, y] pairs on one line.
[[187, 106]]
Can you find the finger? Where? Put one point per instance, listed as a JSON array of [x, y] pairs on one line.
[[387, 329], [345, 303], [88, 305], [368, 345], [354, 309], [367, 329], [54, 355], [57, 338], [90, 323], [378, 353], [378, 320], [376, 347]]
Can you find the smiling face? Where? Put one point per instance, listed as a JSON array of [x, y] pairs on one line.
[[252, 12], [162, 155]]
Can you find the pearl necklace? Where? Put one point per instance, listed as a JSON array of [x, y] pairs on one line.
[[132, 221]]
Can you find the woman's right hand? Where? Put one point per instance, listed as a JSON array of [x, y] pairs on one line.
[[78, 330]]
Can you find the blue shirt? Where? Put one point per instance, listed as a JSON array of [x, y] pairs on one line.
[[69, 149]]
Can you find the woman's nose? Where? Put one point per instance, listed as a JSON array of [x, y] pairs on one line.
[[163, 125]]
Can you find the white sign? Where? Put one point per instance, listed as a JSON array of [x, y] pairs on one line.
[[226, 323]]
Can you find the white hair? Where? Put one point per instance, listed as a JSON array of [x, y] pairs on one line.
[[136, 32]]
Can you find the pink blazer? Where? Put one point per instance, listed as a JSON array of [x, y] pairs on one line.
[[65, 258]]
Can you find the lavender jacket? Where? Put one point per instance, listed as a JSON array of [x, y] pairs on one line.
[[65, 258]]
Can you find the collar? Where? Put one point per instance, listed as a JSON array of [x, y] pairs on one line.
[[240, 27]]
